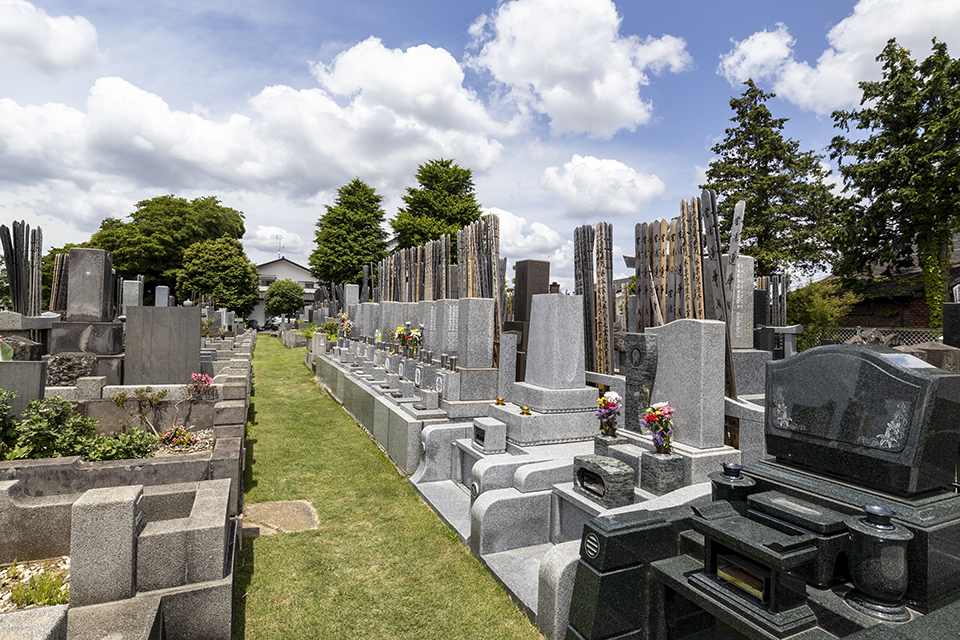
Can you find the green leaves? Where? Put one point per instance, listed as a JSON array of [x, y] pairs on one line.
[[349, 235], [153, 242], [221, 269], [901, 171], [283, 298], [443, 203], [788, 205]]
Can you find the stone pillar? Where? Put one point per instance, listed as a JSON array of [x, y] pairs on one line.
[[555, 352], [640, 374], [741, 327], [104, 527], [509, 340], [475, 342], [161, 296], [448, 326]]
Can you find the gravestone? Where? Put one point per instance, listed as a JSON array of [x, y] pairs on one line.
[[951, 324], [161, 297], [132, 294], [761, 308], [690, 366], [640, 373], [742, 321], [427, 312], [532, 277], [162, 345], [351, 294], [90, 290], [883, 417], [448, 327]]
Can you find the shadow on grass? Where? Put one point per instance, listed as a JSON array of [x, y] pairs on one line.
[[243, 573], [249, 459]]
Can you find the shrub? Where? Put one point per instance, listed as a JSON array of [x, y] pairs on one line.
[[51, 428], [7, 423], [201, 386], [123, 446], [330, 328]]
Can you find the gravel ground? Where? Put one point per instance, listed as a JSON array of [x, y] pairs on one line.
[[204, 443]]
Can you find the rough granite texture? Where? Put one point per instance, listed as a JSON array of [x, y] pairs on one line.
[[89, 293], [448, 326], [615, 488], [690, 374], [475, 325], [641, 371], [555, 360]]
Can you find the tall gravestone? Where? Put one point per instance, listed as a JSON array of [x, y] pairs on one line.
[[448, 326], [162, 345], [742, 321], [690, 366], [132, 294], [533, 277], [161, 297], [90, 290]]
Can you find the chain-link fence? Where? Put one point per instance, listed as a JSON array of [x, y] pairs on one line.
[[908, 337]]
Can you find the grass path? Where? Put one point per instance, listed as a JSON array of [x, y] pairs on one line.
[[382, 564]]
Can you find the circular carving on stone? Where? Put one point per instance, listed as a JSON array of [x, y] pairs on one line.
[[636, 356], [423, 450], [591, 544], [439, 385], [474, 491], [400, 369], [418, 376]]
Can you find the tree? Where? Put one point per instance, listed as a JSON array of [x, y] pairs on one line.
[[788, 205], [221, 269], [902, 173], [283, 298], [153, 242], [349, 235], [821, 308], [443, 203]]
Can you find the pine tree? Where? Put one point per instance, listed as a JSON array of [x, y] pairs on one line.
[[788, 204], [349, 235], [903, 178], [443, 203]]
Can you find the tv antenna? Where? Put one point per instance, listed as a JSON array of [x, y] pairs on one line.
[[279, 244]]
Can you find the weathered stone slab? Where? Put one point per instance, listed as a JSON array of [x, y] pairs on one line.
[[555, 354], [158, 349], [90, 289]]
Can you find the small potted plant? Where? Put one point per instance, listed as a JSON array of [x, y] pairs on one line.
[[659, 421]]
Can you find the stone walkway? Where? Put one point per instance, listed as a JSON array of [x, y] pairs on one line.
[[284, 516]]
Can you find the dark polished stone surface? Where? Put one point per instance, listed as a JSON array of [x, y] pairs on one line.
[[640, 351], [876, 416]]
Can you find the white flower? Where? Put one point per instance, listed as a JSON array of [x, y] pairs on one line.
[[612, 396]]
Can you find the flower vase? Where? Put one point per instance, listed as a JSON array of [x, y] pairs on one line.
[[603, 442]]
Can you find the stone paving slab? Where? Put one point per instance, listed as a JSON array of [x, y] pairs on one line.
[[282, 516]]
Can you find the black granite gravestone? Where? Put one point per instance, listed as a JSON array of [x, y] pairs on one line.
[[872, 414], [951, 324]]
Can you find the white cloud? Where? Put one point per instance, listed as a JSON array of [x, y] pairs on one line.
[[520, 240], [566, 59], [603, 187], [50, 43], [854, 42], [268, 239]]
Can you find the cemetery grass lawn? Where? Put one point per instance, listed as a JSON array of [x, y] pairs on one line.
[[381, 564]]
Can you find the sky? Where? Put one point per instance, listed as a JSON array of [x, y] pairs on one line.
[[568, 112]]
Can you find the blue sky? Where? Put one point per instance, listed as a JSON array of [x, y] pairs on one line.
[[569, 112]]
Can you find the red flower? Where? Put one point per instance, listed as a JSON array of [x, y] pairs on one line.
[[652, 417]]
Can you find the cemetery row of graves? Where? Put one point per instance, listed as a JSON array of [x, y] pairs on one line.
[[667, 466], [145, 543], [662, 464]]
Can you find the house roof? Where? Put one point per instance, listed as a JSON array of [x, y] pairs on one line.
[[906, 282], [280, 260]]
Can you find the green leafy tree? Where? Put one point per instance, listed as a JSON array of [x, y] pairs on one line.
[[159, 231], [349, 235], [443, 203], [221, 269], [821, 308], [788, 204], [901, 170], [283, 298]]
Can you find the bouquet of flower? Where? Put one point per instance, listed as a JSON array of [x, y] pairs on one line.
[[413, 337], [346, 325], [658, 420], [608, 411]]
